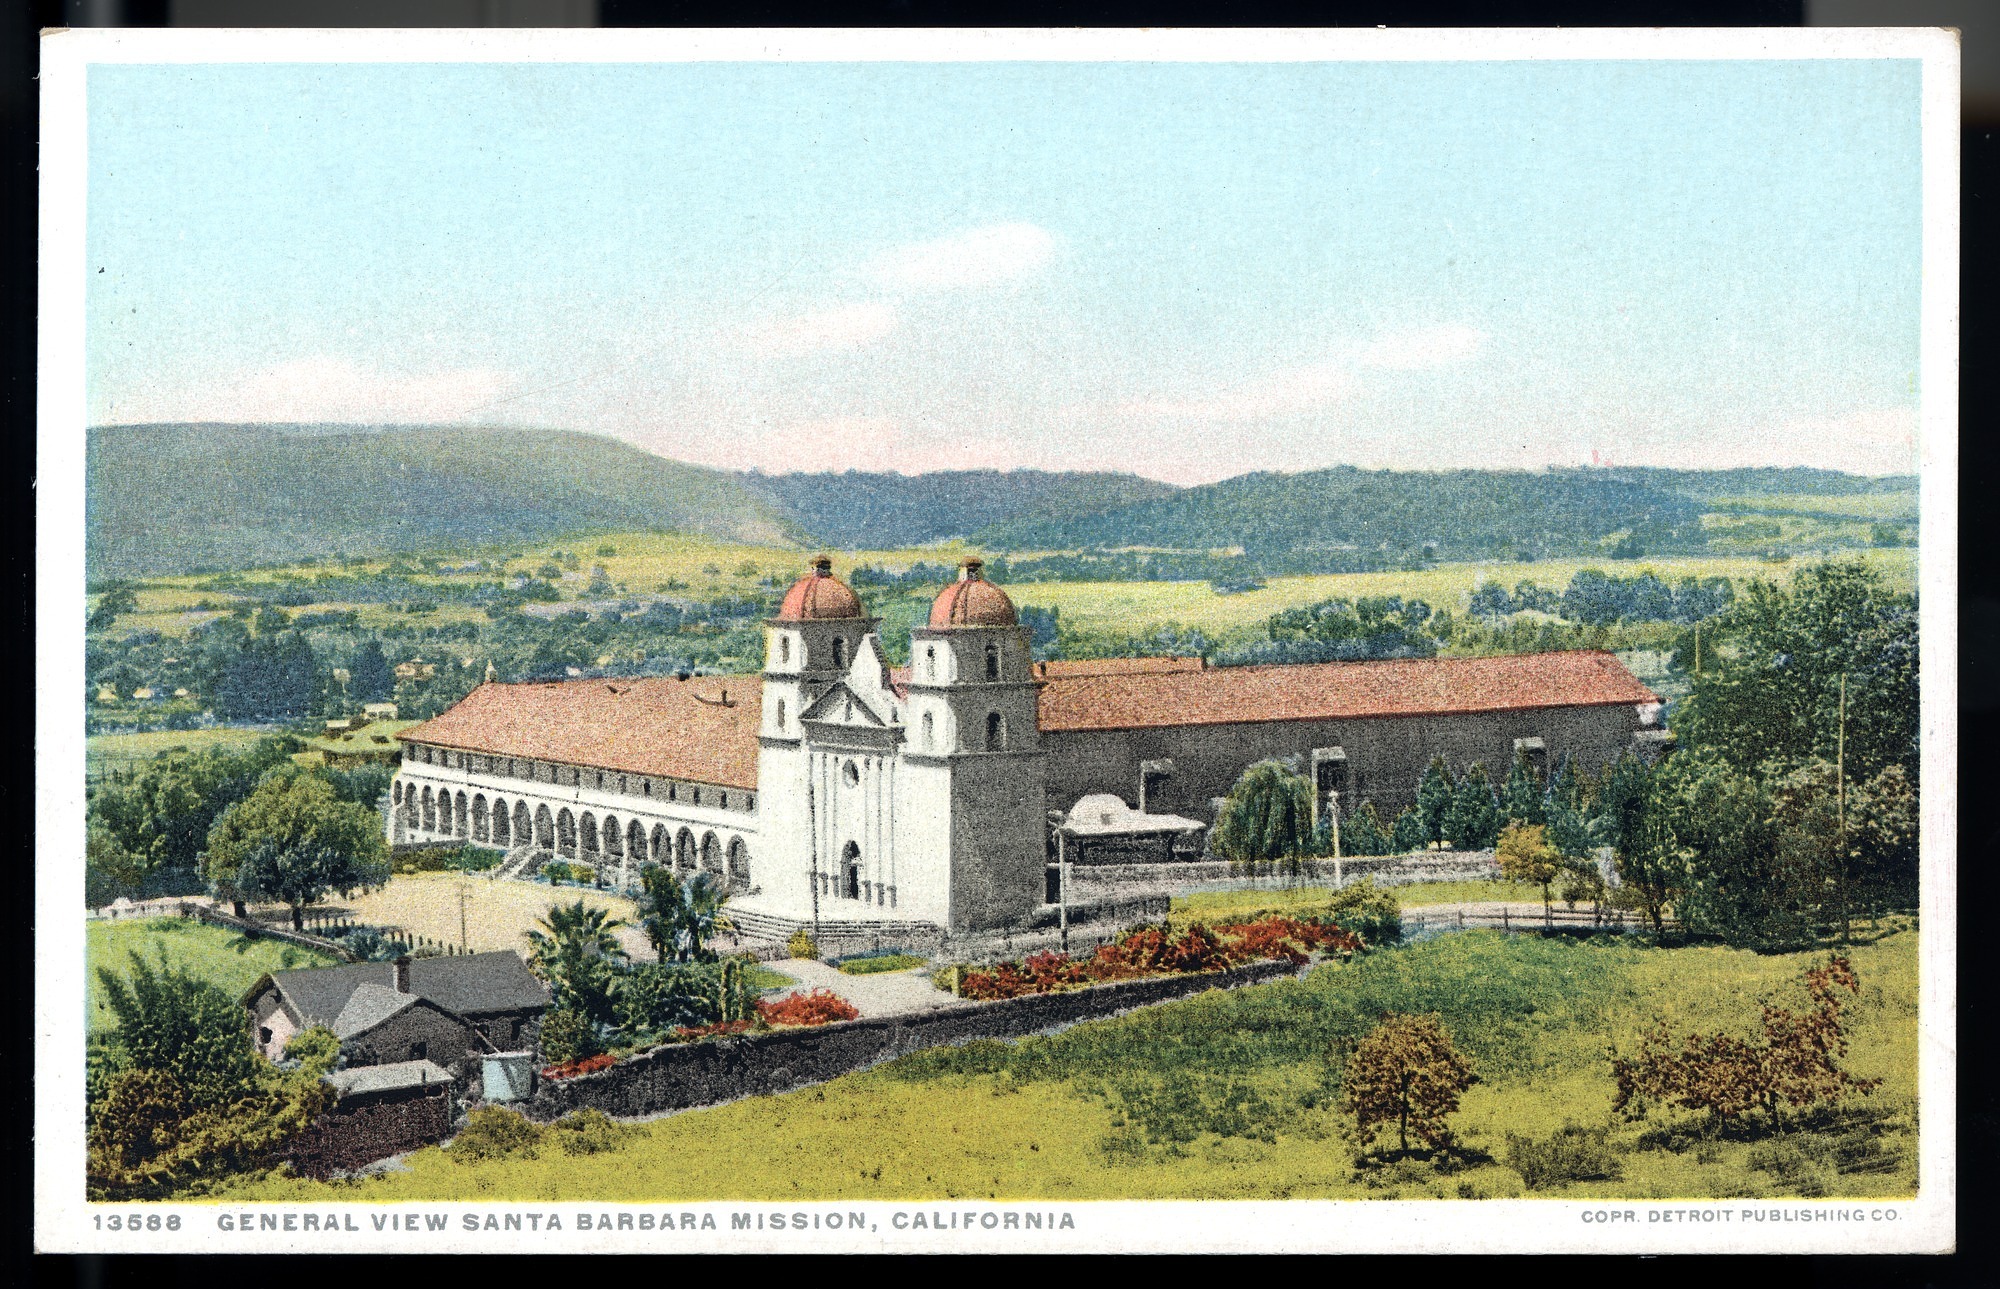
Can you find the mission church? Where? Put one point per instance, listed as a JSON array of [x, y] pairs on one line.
[[834, 788]]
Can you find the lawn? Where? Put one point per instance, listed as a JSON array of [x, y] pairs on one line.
[[211, 952], [1227, 1096], [1218, 906], [119, 751]]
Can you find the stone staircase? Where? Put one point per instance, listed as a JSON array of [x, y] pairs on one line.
[[522, 861]]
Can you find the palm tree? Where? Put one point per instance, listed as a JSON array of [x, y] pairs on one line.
[[681, 917], [576, 952]]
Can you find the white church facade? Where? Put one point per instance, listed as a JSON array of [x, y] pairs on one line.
[[834, 789]]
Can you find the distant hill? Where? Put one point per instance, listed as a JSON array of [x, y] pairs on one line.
[[177, 498], [1764, 480], [854, 510], [1344, 517]]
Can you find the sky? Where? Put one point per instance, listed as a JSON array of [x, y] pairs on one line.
[[1190, 271]]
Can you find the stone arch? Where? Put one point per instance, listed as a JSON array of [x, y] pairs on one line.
[[545, 828], [635, 841], [684, 851], [458, 815], [613, 838], [996, 731], [661, 849], [503, 832], [524, 824], [396, 793], [565, 833], [479, 817], [430, 810], [739, 865], [587, 834], [711, 855], [409, 812]]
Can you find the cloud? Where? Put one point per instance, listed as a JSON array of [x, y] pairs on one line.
[[1287, 392], [335, 389], [1422, 349], [978, 257], [848, 326]]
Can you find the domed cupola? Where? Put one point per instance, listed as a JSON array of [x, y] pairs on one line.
[[972, 601], [819, 596]]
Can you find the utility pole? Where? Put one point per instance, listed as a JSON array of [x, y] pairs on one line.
[[1840, 805], [1333, 808], [1062, 888], [464, 893], [1697, 648], [812, 852]]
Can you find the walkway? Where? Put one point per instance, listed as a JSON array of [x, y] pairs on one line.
[[887, 993]]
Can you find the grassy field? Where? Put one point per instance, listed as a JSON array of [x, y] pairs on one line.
[[1217, 906], [1227, 1096], [211, 952], [119, 751]]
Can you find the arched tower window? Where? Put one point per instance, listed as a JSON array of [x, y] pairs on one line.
[[996, 731], [850, 871], [781, 713], [930, 732], [992, 662], [851, 774], [839, 651], [784, 649], [930, 662]]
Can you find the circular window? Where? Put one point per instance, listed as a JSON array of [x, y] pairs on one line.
[[850, 773]]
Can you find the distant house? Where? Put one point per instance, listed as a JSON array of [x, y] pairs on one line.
[[106, 694], [182, 693], [357, 740], [415, 669], [379, 711], [450, 1011], [145, 693]]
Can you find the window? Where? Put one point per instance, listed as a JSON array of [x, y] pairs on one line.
[[697, 796], [839, 652], [263, 1035], [784, 649], [930, 662], [420, 1051], [725, 801], [992, 662], [514, 1030], [850, 871], [781, 713], [850, 774], [996, 731], [930, 731]]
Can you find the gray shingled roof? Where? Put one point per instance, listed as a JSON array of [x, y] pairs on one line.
[[386, 1078], [471, 984], [368, 1006]]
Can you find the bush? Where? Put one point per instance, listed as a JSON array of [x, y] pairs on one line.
[[802, 945], [581, 1065], [494, 1133], [1575, 1154], [1364, 909], [568, 1035], [884, 962], [656, 997], [589, 1132], [820, 1007], [368, 944]]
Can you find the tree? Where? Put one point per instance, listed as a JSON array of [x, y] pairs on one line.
[[1473, 821], [1721, 820], [1266, 818], [182, 1028], [576, 952], [1406, 1072], [292, 840], [116, 600], [1651, 864], [1408, 833], [369, 677], [1362, 832], [1526, 856], [680, 916], [1434, 797], [1523, 799]]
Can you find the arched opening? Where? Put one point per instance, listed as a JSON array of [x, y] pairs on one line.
[[739, 865], [503, 832], [430, 811], [635, 841], [930, 732], [524, 827], [545, 828], [410, 811], [459, 813], [660, 850], [479, 832], [614, 838], [996, 731], [850, 774], [684, 851], [711, 855], [930, 662], [992, 662], [839, 651], [850, 871], [587, 831], [566, 834], [781, 713], [784, 650], [397, 792]]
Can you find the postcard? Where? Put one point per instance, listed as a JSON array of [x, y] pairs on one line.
[[1035, 641]]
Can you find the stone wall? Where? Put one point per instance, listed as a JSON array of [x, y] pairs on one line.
[[683, 1076], [1107, 882], [361, 1130]]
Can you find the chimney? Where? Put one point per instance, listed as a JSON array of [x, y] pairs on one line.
[[402, 966]]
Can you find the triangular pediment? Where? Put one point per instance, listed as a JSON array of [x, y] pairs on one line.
[[840, 705]]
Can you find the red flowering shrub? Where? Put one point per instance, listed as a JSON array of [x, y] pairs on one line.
[[689, 1033], [1155, 951], [819, 1007], [583, 1065], [1278, 937]]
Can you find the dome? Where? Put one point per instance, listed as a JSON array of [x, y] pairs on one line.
[[819, 595], [972, 601]]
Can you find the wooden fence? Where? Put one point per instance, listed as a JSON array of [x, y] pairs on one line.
[[1553, 920]]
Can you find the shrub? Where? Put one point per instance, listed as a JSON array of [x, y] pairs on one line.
[[886, 962], [368, 944], [802, 945], [1364, 909], [568, 1035], [1575, 1154], [1407, 1074], [662, 996], [492, 1132], [589, 1132], [820, 1007]]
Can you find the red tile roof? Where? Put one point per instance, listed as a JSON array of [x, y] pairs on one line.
[[1337, 690], [661, 726], [1058, 668]]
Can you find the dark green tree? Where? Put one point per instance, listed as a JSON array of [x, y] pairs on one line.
[[1435, 792], [181, 1027], [1361, 833], [1523, 798], [1473, 822], [1408, 833], [370, 678], [1267, 817], [292, 840]]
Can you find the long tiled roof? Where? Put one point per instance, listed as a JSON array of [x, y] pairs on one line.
[[660, 726], [469, 984], [1337, 690]]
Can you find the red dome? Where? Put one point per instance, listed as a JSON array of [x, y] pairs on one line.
[[972, 601], [819, 595]]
